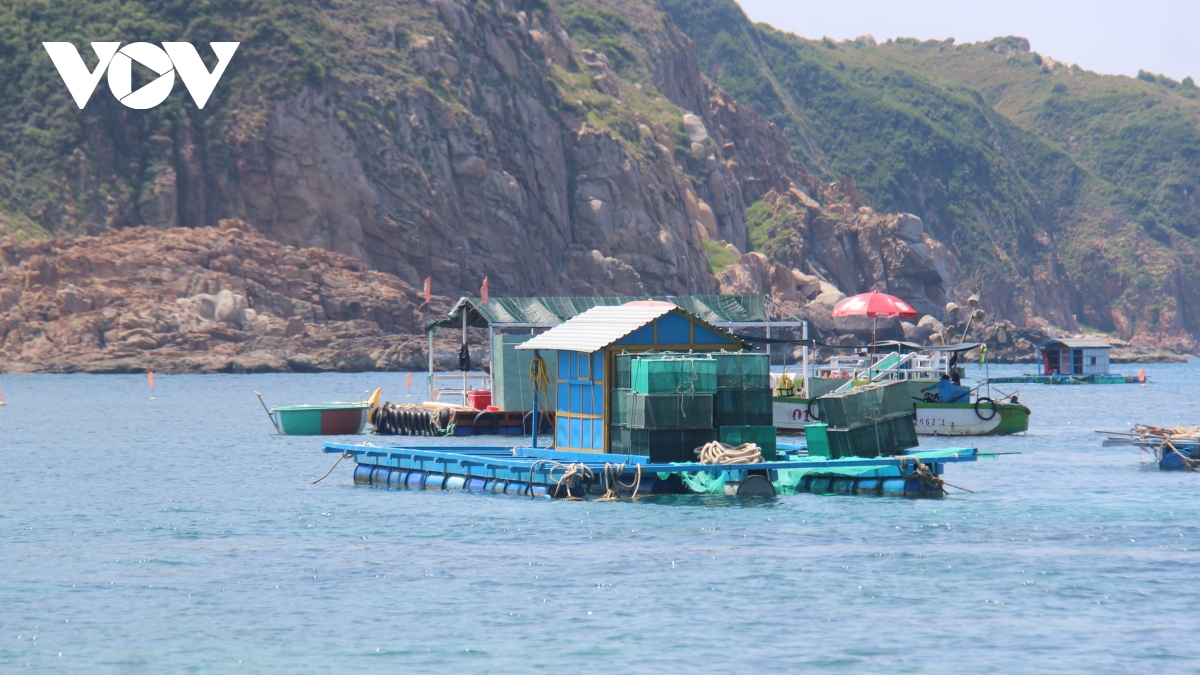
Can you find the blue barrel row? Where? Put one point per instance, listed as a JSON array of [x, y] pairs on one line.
[[884, 487], [365, 474]]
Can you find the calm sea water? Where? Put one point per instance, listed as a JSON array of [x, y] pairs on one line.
[[182, 534]]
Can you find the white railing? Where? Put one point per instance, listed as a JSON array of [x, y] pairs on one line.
[[914, 366], [453, 387]]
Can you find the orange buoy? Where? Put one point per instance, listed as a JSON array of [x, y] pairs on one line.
[[151, 378]]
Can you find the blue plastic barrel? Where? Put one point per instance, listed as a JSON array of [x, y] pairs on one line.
[[397, 478], [379, 475], [362, 474], [514, 488], [867, 486], [540, 490], [415, 480], [455, 483], [913, 488], [820, 484], [476, 484], [434, 481], [894, 487], [842, 486]]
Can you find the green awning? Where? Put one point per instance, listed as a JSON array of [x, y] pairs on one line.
[[546, 312]]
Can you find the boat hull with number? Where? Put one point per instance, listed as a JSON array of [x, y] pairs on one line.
[[983, 418]]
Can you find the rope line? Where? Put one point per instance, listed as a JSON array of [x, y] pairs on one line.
[[345, 455]]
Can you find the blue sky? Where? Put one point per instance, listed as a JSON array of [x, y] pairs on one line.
[[1101, 35]]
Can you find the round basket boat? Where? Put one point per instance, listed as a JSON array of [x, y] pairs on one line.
[[322, 419]]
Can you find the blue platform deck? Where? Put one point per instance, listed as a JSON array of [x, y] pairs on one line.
[[527, 470]]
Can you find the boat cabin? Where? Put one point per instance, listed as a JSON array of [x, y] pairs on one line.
[[585, 348], [1074, 357]]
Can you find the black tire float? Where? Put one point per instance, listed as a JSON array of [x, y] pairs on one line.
[[488, 418], [992, 404]]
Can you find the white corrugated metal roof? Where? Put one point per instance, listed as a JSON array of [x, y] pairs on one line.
[[1081, 343], [597, 328]]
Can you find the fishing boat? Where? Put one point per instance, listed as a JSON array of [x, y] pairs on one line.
[[1073, 361], [941, 407], [322, 419]]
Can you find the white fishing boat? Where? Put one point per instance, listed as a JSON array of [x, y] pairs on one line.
[[942, 407]]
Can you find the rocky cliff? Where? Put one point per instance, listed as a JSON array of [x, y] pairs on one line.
[[224, 299]]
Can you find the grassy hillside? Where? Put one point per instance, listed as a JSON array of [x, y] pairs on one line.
[[1067, 234], [1138, 133]]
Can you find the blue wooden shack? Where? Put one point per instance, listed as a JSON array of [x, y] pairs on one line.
[[586, 346]]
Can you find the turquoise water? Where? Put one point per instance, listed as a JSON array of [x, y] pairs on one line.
[[182, 534]]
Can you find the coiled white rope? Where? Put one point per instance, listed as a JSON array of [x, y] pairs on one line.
[[717, 452]]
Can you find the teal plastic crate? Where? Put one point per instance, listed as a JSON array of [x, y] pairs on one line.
[[817, 439]]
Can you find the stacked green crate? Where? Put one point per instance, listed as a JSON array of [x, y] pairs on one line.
[[869, 421], [668, 408], [742, 408], [743, 395], [865, 404], [618, 409], [881, 439], [621, 365], [762, 436], [670, 411], [673, 374], [742, 370]]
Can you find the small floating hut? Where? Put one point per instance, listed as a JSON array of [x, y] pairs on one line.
[[1072, 361]]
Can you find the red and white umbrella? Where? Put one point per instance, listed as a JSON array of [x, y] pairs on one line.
[[874, 305]]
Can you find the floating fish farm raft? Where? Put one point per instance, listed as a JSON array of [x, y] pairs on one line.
[[649, 399], [542, 472]]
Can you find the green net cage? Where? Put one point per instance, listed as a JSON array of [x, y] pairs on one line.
[[670, 411], [662, 446], [621, 365], [673, 374], [865, 404], [618, 409], [743, 407], [741, 370], [886, 438], [762, 436]]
